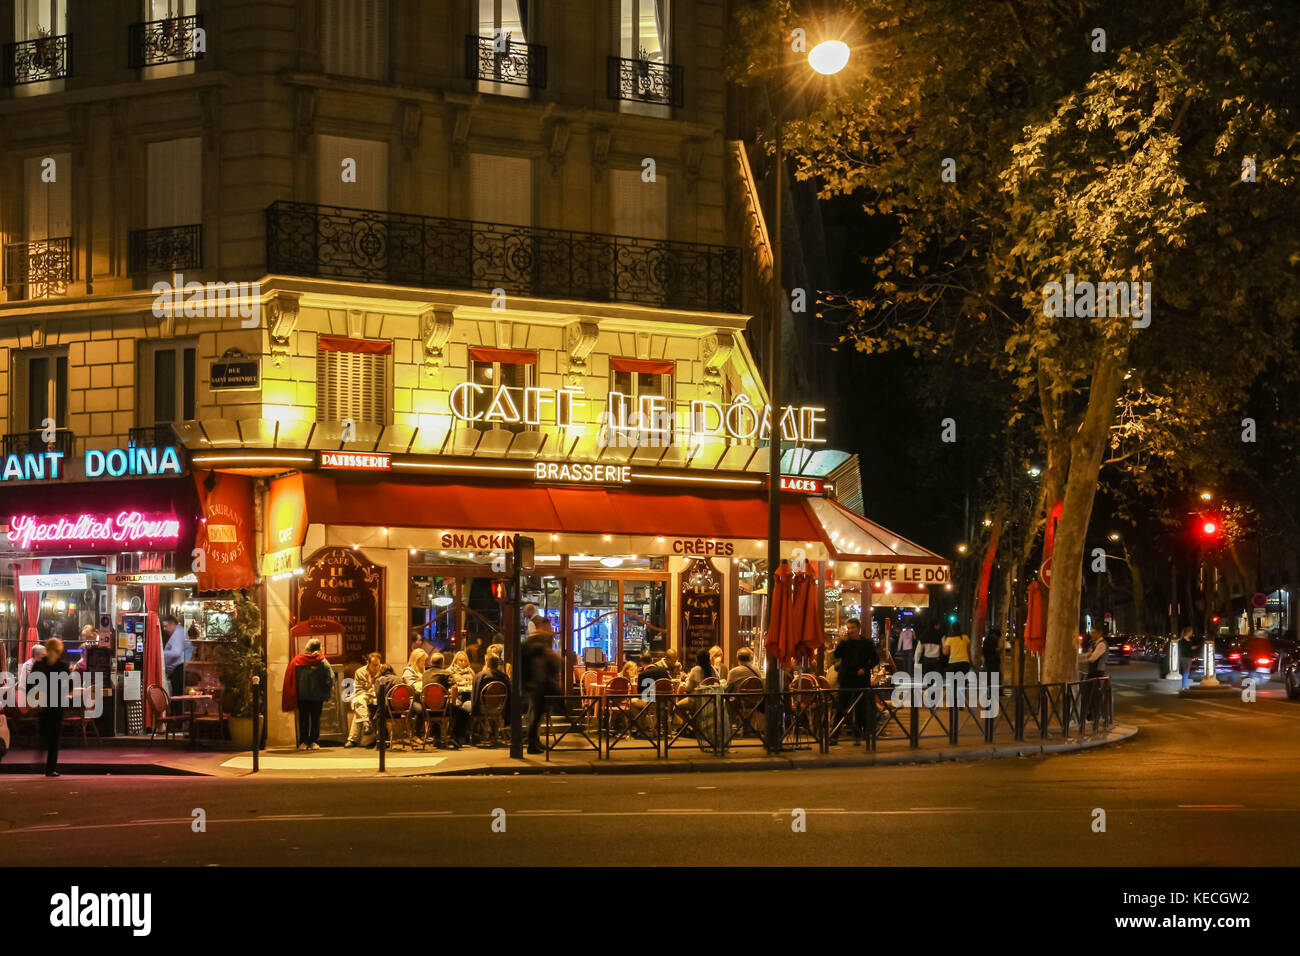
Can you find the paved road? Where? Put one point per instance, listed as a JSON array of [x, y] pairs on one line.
[[1205, 782]]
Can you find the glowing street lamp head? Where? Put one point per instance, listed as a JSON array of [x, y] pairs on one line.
[[829, 57], [1114, 536]]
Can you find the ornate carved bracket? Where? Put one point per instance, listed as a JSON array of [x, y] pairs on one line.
[[692, 154], [460, 116], [558, 145], [282, 318], [579, 341], [411, 117], [435, 330], [304, 116], [718, 348], [600, 139]]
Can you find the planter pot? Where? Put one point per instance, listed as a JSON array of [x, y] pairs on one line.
[[241, 733]]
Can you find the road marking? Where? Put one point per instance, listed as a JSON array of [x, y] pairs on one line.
[[1211, 806]]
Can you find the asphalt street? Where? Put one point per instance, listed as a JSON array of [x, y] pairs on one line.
[[1205, 782]]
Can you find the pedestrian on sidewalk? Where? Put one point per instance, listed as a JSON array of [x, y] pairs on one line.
[[855, 657], [1095, 658], [308, 683], [956, 648], [541, 678], [1185, 652], [906, 648], [931, 652], [992, 652], [49, 687]]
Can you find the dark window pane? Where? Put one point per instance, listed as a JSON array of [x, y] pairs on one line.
[[164, 385], [38, 377], [188, 411], [61, 391]]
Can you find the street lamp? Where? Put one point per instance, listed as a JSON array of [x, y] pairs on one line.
[[1034, 471], [825, 58]]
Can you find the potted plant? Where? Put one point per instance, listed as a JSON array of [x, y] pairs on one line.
[[239, 660], [44, 48]]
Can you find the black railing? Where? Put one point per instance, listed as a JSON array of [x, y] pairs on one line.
[[166, 249], [330, 242], [34, 61], [520, 64], [720, 722], [38, 269], [34, 443], [154, 436], [644, 81], [166, 41]]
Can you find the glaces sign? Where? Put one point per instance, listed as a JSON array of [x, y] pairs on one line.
[[124, 528], [114, 463]]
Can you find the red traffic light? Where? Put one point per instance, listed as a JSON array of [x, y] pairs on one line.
[[499, 590], [1215, 619], [1209, 527]]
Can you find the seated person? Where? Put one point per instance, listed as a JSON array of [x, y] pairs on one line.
[[744, 669], [673, 666], [701, 672], [462, 673], [650, 672], [413, 677], [364, 700], [435, 673], [492, 672], [629, 671]]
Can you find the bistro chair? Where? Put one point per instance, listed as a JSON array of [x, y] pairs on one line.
[[647, 721], [492, 708], [803, 702], [747, 707], [823, 683], [436, 713], [399, 715], [218, 712], [160, 703], [78, 718], [590, 681]]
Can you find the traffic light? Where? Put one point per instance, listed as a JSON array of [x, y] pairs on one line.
[[952, 618], [499, 590]]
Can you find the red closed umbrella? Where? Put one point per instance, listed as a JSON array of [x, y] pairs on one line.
[[778, 643], [1036, 620], [153, 649], [806, 620]]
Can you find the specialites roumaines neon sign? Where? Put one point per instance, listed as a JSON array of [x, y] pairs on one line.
[[124, 528]]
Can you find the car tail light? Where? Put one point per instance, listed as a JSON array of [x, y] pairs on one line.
[[1264, 661], [1128, 647], [1234, 656]]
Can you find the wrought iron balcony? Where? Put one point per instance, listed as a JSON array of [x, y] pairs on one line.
[[331, 242], [520, 64], [34, 61], [154, 436], [167, 249], [33, 443], [38, 269], [644, 81], [166, 41]]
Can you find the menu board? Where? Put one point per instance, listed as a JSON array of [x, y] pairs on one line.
[[701, 608], [340, 585]]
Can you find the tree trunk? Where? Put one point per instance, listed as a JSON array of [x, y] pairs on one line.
[[1086, 447]]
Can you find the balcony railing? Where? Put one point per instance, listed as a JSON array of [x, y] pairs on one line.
[[38, 269], [521, 64], [33, 443], [643, 81], [34, 61], [167, 249], [166, 41], [330, 242], [154, 436]]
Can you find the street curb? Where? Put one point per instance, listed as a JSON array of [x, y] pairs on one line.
[[1117, 734], [1195, 691], [104, 770]]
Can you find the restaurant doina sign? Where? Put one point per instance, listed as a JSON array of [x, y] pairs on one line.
[[113, 463]]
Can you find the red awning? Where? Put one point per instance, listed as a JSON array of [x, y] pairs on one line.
[[648, 366], [482, 353], [490, 506], [341, 343]]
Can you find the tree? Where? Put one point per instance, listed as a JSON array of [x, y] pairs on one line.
[[1122, 165]]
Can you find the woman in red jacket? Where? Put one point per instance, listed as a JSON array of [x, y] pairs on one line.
[[308, 683]]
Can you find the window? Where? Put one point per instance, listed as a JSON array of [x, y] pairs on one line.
[[364, 162], [642, 410], [48, 196], [501, 189], [168, 9], [639, 208], [644, 30], [497, 369], [175, 182], [44, 380], [354, 38], [37, 61], [502, 58], [40, 18], [170, 369], [352, 380]]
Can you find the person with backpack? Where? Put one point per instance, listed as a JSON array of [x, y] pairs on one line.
[[308, 683]]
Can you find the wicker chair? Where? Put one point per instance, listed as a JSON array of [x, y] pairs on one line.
[[160, 704]]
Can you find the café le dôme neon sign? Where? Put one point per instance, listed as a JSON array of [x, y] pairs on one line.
[[739, 420], [113, 463]]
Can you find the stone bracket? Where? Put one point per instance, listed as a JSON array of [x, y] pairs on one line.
[[282, 318], [580, 339], [435, 330], [718, 349]]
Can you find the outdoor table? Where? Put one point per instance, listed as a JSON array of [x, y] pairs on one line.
[[189, 701]]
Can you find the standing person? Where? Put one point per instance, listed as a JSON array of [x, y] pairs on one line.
[[1095, 658], [174, 654], [992, 652], [931, 651], [541, 678], [25, 670], [49, 678], [956, 648], [906, 648], [1185, 652], [308, 683], [364, 701], [855, 656], [533, 621]]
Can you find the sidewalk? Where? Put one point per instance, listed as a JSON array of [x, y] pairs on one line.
[[337, 762]]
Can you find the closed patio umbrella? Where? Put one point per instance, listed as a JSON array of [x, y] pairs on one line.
[[806, 619], [778, 643]]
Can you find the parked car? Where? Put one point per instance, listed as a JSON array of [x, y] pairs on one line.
[[1290, 668]]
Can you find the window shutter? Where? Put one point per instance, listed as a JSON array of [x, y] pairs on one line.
[[352, 385], [48, 205], [370, 191], [354, 38], [175, 182], [501, 189], [640, 209]]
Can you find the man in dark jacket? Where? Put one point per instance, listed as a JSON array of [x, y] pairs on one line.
[[541, 677], [855, 656], [49, 685]]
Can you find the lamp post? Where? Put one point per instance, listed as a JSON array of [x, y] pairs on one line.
[[826, 58]]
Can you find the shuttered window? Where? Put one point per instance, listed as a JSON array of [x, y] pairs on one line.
[[48, 205], [368, 161], [352, 380], [639, 208], [354, 38], [175, 182], [501, 189]]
